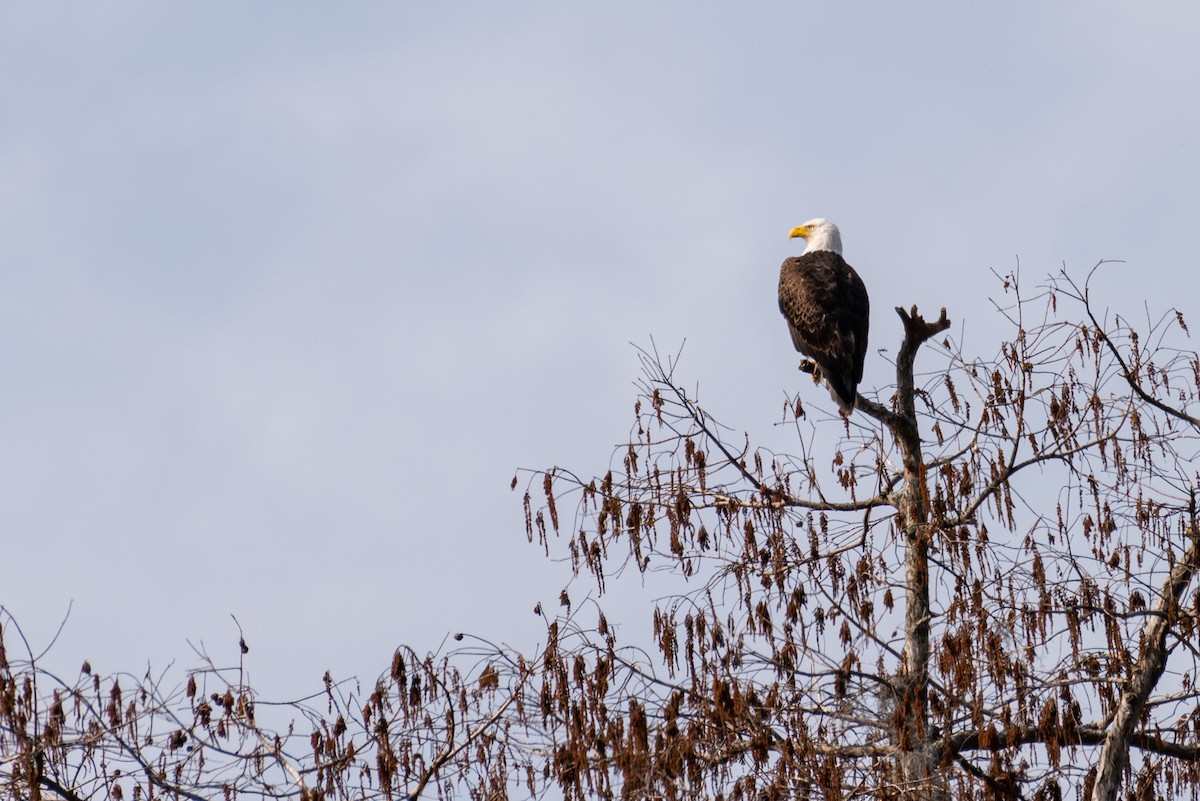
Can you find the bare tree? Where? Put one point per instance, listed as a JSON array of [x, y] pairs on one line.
[[980, 586], [987, 593]]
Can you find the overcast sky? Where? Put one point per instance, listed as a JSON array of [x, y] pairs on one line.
[[289, 290]]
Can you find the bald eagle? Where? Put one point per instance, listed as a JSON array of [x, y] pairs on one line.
[[827, 310]]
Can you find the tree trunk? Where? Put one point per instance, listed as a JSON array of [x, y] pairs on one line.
[[918, 759], [1114, 754]]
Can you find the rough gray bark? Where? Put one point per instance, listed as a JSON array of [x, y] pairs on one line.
[[919, 756]]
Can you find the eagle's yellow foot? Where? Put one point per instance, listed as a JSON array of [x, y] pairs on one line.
[[812, 368]]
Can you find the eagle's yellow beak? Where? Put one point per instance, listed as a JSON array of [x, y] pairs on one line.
[[800, 231]]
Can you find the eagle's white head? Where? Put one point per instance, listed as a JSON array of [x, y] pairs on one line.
[[820, 234]]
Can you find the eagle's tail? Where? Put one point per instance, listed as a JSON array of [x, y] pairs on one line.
[[843, 393]]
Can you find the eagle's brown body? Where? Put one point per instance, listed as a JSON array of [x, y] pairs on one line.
[[828, 313]]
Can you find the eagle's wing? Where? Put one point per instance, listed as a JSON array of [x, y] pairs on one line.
[[828, 313]]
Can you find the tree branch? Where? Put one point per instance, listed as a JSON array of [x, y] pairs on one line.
[[1114, 756]]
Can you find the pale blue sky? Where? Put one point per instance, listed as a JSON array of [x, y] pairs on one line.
[[289, 289]]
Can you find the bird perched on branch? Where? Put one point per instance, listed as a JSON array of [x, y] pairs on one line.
[[827, 310]]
